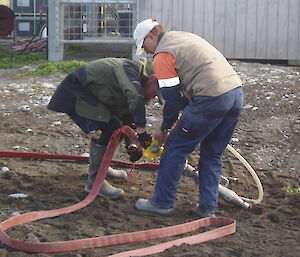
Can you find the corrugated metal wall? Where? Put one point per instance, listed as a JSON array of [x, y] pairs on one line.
[[240, 29]]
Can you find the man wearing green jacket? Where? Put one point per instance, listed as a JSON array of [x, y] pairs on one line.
[[104, 95]]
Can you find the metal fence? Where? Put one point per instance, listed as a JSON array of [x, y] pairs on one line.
[[94, 20], [90, 21]]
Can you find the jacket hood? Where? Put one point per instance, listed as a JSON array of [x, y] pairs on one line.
[[145, 69]]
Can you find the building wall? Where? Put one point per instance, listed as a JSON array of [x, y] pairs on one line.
[[240, 29], [31, 16]]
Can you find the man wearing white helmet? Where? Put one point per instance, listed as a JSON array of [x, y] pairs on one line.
[[195, 78]]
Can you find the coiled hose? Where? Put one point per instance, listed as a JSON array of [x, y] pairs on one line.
[[252, 172]]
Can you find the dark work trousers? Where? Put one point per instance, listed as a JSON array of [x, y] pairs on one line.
[[88, 126], [210, 122]]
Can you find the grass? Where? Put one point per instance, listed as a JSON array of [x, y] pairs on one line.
[[73, 49], [56, 67], [9, 59], [293, 190]]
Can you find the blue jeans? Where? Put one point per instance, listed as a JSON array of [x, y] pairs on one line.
[[210, 122], [88, 126]]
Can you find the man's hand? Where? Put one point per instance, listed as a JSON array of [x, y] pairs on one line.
[[135, 153], [145, 139], [161, 136]]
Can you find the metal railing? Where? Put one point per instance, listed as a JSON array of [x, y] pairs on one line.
[[90, 21]]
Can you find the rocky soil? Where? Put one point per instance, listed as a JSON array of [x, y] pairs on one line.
[[267, 137]]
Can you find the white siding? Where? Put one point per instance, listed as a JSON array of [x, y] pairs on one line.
[[240, 29]]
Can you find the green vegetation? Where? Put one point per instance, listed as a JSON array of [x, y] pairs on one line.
[[73, 49], [9, 59], [5, 52], [21, 60], [293, 190], [56, 67]]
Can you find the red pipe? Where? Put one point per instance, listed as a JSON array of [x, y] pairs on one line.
[[226, 226]]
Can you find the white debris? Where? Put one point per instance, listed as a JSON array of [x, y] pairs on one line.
[[44, 98], [247, 106], [16, 213], [85, 155], [252, 82], [18, 195], [28, 130], [14, 85], [26, 68], [16, 147], [234, 139], [48, 85], [290, 76], [255, 108], [151, 118], [55, 123], [4, 169], [24, 108], [233, 178], [30, 91], [157, 105], [268, 93], [277, 71]]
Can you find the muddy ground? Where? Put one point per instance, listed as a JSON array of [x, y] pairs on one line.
[[267, 137]]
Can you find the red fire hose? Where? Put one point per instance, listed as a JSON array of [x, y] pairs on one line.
[[226, 226]]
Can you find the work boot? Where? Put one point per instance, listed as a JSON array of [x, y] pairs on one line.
[[107, 190], [149, 206], [96, 156], [114, 173], [204, 213]]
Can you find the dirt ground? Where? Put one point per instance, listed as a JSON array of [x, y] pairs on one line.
[[267, 137]]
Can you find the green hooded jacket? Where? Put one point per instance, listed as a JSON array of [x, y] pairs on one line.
[[105, 87]]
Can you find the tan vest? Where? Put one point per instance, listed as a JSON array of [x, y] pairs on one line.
[[202, 69]]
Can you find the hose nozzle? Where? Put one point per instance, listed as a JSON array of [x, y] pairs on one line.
[[154, 150], [231, 196]]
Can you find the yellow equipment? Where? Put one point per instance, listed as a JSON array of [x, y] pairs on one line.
[[153, 151]]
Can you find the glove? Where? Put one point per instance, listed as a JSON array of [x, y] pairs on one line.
[[134, 152], [145, 139], [127, 120]]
